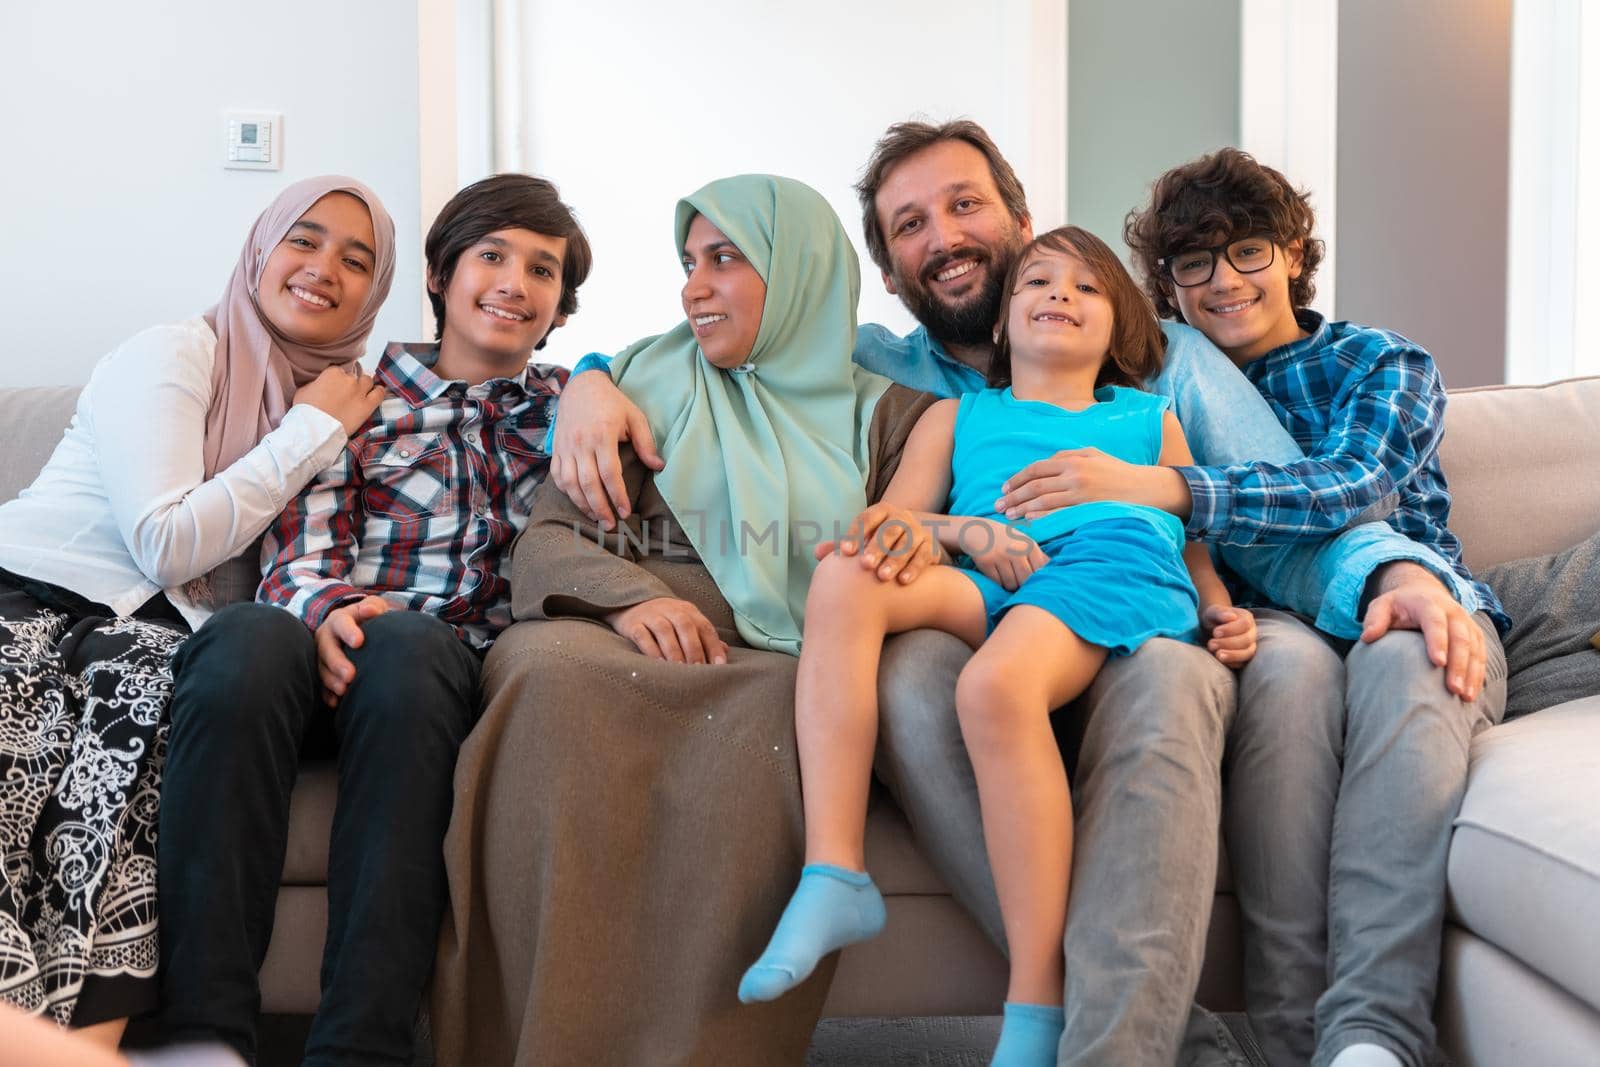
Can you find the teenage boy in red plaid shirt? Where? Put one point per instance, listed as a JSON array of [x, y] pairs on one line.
[[383, 589]]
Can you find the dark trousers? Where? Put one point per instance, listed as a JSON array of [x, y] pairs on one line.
[[246, 706]]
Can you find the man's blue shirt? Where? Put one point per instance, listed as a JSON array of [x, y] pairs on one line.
[[915, 361]]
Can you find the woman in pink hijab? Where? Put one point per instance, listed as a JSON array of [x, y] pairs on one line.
[[185, 444]]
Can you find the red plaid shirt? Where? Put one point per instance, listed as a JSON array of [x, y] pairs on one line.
[[423, 503]]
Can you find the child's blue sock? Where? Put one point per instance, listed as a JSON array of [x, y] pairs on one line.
[[1029, 1036], [831, 908]]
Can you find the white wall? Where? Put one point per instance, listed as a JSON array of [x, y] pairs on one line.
[[631, 104], [1555, 190], [1424, 159], [116, 211], [1127, 129]]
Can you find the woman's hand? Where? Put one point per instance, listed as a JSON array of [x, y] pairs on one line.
[[350, 396], [1230, 634], [1001, 552], [670, 629], [1080, 475], [891, 541], [594, 417]]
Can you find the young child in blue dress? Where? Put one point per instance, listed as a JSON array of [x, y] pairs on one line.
[[1043, 604]]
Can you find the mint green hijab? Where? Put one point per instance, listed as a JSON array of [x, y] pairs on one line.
[[764, 461]]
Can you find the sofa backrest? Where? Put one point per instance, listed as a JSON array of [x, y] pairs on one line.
[[31, 424], [1523, 462]]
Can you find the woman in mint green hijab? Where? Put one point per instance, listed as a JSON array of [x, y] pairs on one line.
[[627, 822], [762, 416]]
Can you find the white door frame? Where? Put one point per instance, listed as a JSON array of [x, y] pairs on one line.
[[1554, 211], [1036, 105], [461, 62], [1289, 107]]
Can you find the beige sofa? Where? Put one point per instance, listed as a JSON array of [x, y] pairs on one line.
[[1522, 949]]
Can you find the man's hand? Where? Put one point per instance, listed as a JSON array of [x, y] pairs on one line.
[[670, 629], [891, 541], [339, 631], [1080, 475], [1411, 598], [593, 418], [1230, 634]]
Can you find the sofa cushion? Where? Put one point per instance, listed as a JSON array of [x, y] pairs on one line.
[[1521, 462], [33, 421], [1525, 860], [1493, 1012], [310, 821]]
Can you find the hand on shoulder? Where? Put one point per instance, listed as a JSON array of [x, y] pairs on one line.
[[349, 395], [593, 419]]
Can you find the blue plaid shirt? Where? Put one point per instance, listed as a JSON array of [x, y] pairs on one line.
[[1367, 406], [422, 505]]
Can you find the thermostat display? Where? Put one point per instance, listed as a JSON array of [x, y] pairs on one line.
[[254, 141]]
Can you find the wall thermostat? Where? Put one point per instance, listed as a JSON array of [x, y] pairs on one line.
[[254, 140]]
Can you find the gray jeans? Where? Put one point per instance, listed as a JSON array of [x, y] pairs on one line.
[[1147, 794], [1345, 768]]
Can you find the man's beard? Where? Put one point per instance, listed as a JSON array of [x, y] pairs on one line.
[[972, 321]]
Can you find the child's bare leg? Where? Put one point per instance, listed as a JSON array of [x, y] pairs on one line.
[[1031, 664], [848, 613]]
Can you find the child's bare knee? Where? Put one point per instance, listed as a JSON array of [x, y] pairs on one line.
[[993, 700], [841, 582]]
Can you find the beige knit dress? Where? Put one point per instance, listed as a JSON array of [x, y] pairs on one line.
[[626, 830]]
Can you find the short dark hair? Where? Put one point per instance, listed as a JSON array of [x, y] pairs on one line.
[[1213, 200], [504, 202], [905, 139], [1138, 344]]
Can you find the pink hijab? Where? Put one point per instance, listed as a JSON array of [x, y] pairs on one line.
[[257, 369]]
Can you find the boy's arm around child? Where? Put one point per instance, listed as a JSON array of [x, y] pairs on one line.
[[1383, 424]]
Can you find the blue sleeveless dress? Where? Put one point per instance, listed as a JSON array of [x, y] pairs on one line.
[[1116, 575]]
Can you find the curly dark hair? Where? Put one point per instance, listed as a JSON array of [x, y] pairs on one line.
[[905, 139], [1213, 200], [505, 202], [1138, 344]]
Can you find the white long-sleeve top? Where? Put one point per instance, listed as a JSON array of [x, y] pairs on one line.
[[123, 509]]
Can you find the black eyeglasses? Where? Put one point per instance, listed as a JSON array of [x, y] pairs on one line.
[[1195, 266]]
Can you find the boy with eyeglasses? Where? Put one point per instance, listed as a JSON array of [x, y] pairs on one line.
[[1346, 761]]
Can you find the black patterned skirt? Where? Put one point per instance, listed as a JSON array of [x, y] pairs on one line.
[[83, 735]]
